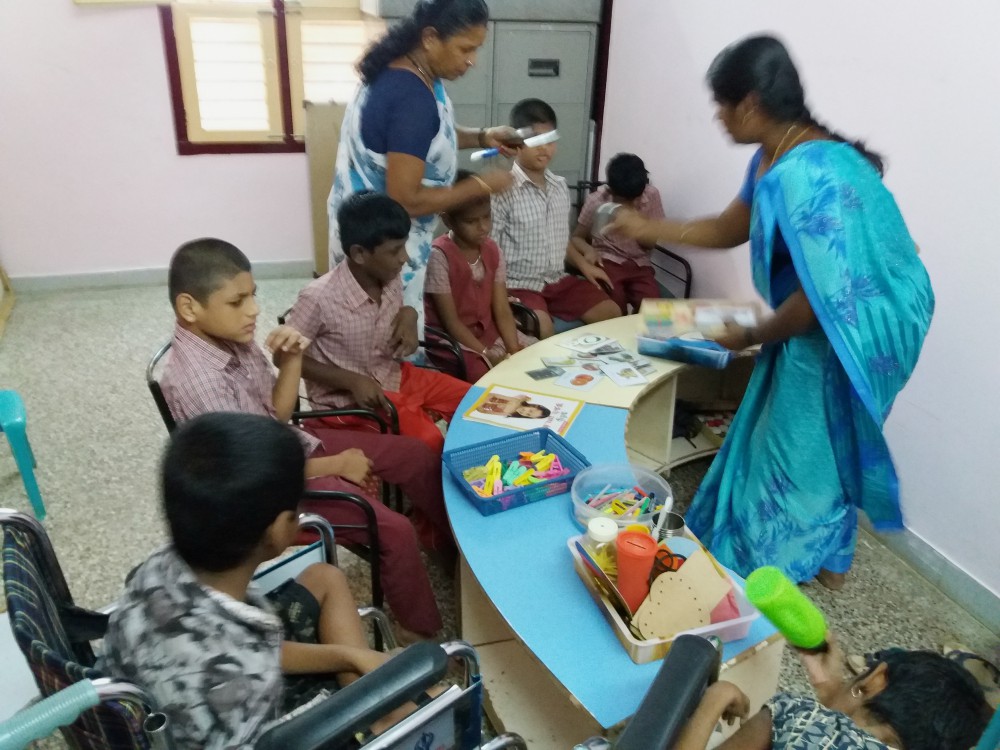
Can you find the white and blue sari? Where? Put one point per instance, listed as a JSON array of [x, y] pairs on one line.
[[359, 168], [806, 448]]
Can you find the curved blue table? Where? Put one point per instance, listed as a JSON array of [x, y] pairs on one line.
[[520, 560]]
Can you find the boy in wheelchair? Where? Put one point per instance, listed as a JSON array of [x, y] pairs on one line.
[[219, 658]]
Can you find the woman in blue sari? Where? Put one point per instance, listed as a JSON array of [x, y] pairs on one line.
[[831, 255], [399, 135]]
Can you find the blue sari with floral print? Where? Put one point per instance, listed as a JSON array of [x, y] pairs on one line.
[[359, 168], [806, 448]]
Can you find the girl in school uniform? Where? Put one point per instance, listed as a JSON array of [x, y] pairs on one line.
[[465, 291]]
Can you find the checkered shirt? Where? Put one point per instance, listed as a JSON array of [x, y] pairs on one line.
[[531, 226], [348, 329], [202, 377], [616, 247]]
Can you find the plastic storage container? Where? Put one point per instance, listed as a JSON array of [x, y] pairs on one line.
[[644, 651], [596, 479], [508, 449]]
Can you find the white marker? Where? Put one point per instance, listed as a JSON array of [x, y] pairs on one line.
[[536, 140]]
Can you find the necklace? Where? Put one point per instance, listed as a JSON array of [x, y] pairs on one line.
[[778, 152], [472, 263], [423, 73]]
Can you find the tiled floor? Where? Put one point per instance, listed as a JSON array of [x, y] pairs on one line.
[[78, 359]]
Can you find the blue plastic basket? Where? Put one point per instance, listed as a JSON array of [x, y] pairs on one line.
[[509, 448]]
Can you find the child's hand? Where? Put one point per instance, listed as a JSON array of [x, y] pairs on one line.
[[353, 465], [287, 340], [591, 255], [596, 276], [825, 668], [731, 702], [403, 339], [368, 393]]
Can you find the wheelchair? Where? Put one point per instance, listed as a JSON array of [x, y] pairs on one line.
[[94, 710]]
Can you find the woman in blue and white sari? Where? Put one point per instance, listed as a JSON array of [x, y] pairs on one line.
[[399, 135], [852, 303]]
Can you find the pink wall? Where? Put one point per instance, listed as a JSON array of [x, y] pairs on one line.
[[920, 85], [90, 178]]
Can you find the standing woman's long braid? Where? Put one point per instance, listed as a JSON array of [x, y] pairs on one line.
[[873, 157]]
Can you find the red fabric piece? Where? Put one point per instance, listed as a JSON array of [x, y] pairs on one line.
[[725, 610]]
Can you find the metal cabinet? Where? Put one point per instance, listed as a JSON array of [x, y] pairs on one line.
[[545, 49], [550, 61]]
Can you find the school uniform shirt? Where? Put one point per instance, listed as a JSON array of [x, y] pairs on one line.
[[531, 224], [800, 722], [201, 377], [348, 329], [212, 663], [617, 248]]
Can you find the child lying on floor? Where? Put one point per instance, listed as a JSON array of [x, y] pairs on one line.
[[906, 700]]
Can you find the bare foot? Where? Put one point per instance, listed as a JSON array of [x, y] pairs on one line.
[[833, 581]]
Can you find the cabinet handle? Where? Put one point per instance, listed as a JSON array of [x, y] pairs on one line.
[[543, 67]]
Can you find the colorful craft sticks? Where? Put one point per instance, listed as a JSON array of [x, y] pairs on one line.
[[624, 501], [495, 478]]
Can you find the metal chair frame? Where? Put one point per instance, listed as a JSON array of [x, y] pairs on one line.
[[368, 552]]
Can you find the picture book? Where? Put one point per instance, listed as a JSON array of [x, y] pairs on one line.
[[518, 409], [668, 318]]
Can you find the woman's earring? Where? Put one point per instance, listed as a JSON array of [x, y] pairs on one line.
[[747, 115], [856, 692]]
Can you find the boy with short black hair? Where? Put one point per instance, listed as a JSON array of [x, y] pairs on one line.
[[215, 365], [361, 330], [531, 225], [624, 260], [192, 630]]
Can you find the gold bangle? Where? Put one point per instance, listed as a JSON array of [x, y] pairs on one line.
[[482, 182], [684, 232], [479, 138]]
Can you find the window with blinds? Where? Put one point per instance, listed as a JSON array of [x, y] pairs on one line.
[[241, 69]]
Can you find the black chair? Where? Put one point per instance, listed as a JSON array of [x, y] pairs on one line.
[[665, 260], [369, 551], [444, 353], [526, 319]]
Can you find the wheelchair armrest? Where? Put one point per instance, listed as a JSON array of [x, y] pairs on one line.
[[689, 667], [386, 424], [356, 706]]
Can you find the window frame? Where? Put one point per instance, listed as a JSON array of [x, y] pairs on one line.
[[286, 141]]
